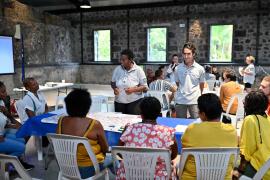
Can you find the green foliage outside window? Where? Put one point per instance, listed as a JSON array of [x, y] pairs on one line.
[[221, 37], [156, 44], [102, 45]]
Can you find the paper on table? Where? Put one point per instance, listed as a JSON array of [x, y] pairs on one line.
[[180, 128]]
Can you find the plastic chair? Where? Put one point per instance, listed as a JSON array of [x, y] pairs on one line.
[[19, 106], [240, 112], [97, 104], [211, 163], [211, 84], [163, 99], [140, 163], [5, 159], [260, 173], [60, 100], [65, 148]]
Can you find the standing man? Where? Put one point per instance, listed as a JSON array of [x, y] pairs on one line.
[[190, 79], [265, 87], [128, 83]]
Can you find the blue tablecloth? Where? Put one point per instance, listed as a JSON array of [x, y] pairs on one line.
[[34, 126]]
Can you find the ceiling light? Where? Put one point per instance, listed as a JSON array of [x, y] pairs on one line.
[[85, 4]]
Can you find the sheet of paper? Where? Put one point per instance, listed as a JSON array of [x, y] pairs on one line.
[[180, 128], [52, 119]]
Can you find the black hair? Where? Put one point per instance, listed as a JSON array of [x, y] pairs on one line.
[[161, 67], [150, 108], [158, 73], [174, 55], [128, 53], [208, 69], [2, 84], [211, 106], [255, 103], [78, 103]]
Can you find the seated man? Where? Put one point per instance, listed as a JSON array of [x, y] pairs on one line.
[[34, 101], [9, 143]]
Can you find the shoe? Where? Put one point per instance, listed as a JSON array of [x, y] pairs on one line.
[[27, 166]]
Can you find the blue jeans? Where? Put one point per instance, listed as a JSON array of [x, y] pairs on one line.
[[12, 145], [89, 171]]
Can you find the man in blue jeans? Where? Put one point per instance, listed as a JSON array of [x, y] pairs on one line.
[[9, 143]]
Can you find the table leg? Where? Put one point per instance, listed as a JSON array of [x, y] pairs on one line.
[[38, 143]]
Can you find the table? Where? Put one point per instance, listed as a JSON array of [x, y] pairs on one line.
[[48, 86], [34, 127]]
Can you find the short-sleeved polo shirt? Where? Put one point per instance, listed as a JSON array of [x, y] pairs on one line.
[[128, 78], [189, 79]]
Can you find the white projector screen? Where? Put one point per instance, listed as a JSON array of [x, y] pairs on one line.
[[6, 55]]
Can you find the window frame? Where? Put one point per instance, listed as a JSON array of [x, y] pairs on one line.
[[167, 45], [209, 45], [93, 47]]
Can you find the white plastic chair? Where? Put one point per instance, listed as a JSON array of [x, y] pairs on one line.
[[211, 84], [260, 173], [240, 112], [19, 106], [65, 149], [60, 100], [211, 163], [97, 104], [140, 163], [163, 99], [5, 159]]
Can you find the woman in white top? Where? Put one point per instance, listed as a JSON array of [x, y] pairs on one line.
[[172, 67], [128, 83], [249, 73]]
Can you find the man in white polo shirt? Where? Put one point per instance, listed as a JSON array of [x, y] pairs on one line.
[[128, 83], [190, 79]]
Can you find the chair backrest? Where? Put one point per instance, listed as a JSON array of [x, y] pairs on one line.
[[240, 113], [211, 163], [140, 163], [4, 159], [65, 149], [260, 173], [60, 100], [20, 108], [162, 97], [211, 84], [97, 102]]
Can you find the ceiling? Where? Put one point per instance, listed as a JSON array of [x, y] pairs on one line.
[[69, 6]]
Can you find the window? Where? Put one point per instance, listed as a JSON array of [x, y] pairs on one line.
[[156, 44], [221, 37], [102, 45]]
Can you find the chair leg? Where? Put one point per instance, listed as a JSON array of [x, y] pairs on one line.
[[46, 160]]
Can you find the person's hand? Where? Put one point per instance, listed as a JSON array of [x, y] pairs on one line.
[[116, 91], [3, 109], [129, 91]]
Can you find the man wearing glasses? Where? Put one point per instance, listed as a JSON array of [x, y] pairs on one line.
[[190, 79]]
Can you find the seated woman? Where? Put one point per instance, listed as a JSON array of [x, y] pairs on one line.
[[9, 143], [158, 137], [228, 90], [209, 133], [78, 103], [159, 84], [255, 142]]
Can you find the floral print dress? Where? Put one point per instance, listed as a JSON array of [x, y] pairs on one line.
[[151, 136]]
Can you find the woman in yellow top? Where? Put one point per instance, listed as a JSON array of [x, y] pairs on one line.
[[255, 141], [228, 90], [209, 133], [78, 103]]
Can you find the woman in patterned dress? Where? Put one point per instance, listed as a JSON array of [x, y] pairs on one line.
[[149, 134]]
